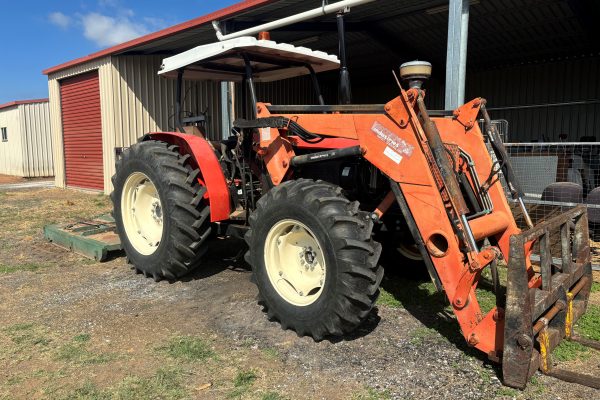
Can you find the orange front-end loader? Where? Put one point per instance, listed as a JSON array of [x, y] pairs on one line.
[[315, 189]]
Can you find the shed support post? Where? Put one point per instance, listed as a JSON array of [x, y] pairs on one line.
[[456, 59], [225, 110]]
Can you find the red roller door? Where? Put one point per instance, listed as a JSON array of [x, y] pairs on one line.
[[82, 131]]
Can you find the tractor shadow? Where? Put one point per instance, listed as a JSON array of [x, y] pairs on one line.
[[418, 296], [223, 254], [228, 254]]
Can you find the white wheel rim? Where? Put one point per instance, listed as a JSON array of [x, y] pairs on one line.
[[295, 262], [142, 213]]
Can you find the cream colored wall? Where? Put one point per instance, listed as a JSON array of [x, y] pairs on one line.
[[37, 140], [143, 102], [11, 151]]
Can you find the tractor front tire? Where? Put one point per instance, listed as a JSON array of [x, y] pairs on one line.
[[159, 208], [313, 259]]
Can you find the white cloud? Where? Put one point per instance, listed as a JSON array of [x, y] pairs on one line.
[[108, 31], [156, 23], [59, 19]]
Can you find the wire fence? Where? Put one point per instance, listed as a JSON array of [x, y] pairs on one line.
[[556, 177]]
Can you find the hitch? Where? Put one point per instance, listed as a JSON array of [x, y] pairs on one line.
[[542, 307]]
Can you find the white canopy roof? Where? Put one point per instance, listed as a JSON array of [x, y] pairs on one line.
[[222, 61]]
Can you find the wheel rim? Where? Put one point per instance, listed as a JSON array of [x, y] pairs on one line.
[[410, 251], [142, 213], [295, 262]]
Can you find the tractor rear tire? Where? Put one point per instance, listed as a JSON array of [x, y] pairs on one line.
[[313, 259], [160, 212]]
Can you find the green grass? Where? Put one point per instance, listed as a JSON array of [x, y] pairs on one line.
[[589, 324], [595, 287], [271, 353], [77, 353], [9, 269], [486, 299], [567, 351], [388, 299], [165, 384], [536, 386], [82, 338], [242, 382], [484, 291], [422, 334], [245, 378], [188, 348], [507, 392], [398, 292], [27, 335], [88, 391]]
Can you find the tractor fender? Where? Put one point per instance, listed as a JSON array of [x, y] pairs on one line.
[[210, 169]]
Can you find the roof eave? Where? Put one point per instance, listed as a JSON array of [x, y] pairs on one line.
[[20, 102]]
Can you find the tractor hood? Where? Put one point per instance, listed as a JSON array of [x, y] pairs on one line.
[[224, 61]]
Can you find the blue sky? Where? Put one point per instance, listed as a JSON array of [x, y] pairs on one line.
[[40, 34]]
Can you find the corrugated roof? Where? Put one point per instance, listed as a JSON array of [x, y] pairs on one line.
[[19, 102], [387, 32], [165, 33]]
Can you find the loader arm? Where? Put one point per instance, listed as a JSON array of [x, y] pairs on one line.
[[457, 241]]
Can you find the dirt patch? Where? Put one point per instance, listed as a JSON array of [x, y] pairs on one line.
[[72, 328], [7, 179], [11, 179]]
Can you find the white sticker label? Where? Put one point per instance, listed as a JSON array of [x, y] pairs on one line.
[[391, 139], [265, 134], [392, 155]]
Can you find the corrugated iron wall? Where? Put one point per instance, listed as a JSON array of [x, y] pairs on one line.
[[139, 101], [11, 151], [298, 90], [37, 140], [145, 102], [28, 150], [533, 98], [540, 101]]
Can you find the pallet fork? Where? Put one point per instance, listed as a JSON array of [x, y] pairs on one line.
[[538, 318]]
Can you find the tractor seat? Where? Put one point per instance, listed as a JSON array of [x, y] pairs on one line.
[[593, 198], [563, 192]]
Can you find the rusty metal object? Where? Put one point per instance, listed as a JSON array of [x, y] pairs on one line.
[[544, 307], [448, 174], [594, 344], [439, 153], [385, 205], [467, 113], [575, 377]]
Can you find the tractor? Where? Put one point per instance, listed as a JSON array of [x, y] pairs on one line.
[[319, 192]]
